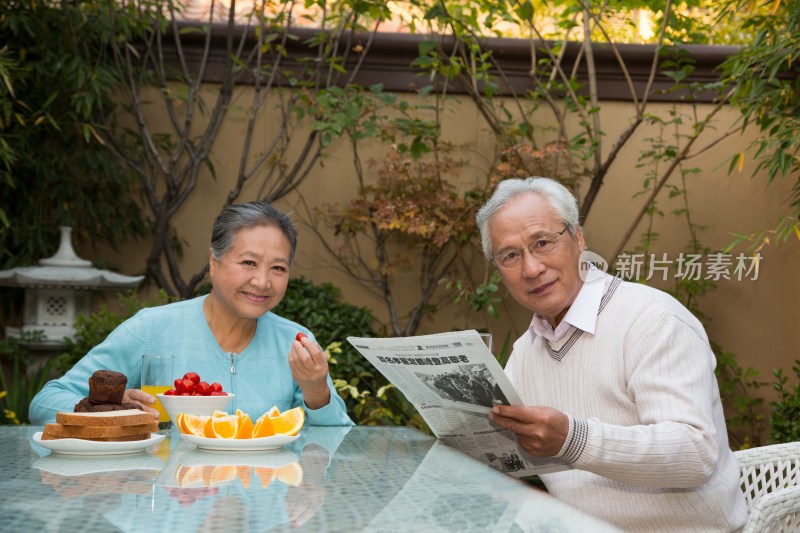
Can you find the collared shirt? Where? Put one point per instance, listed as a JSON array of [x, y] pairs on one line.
[[582, 314]]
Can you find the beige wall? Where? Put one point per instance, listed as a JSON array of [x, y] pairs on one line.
[[755, 319]]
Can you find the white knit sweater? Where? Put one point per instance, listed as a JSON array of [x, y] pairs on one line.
[[647, 439]]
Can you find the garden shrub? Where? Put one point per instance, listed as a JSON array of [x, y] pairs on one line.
[[786, 410], [27, 377]]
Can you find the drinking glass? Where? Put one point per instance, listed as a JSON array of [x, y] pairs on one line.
[[487, 340], [156, 379]]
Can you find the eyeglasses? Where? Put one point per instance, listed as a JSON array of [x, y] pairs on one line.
[[542, 246]]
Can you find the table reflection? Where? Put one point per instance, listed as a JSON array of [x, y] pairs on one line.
[[331, 479]]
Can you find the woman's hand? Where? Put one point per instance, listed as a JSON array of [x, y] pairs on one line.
[[309, 366], [142, 398]]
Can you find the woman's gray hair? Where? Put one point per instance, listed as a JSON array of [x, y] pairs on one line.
[[247, 215], [563, 202]]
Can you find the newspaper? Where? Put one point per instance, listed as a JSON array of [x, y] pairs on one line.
[[453, 380]]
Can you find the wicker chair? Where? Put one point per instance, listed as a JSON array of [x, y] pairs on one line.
[[770, 477]]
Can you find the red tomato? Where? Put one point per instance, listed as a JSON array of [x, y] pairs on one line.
[[216, 387], [202, 389], [193, 376], [220, 393], [184, 386], [300, 336], [171, 392], [184, 394]]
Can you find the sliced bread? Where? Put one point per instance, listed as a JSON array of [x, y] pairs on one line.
[[80, 432], [139, 436], [129, 417]]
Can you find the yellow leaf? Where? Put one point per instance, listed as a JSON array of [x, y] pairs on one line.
[[775, 5], [797, 230], [741, 161]]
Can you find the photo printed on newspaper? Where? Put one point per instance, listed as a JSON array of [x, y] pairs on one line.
[[453, 380]]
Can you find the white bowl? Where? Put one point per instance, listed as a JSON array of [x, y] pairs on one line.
[[194, 405]]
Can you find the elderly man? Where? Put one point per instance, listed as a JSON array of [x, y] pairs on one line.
[[617, 378]]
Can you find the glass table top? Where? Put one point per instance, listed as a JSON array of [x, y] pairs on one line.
[[376, 479]]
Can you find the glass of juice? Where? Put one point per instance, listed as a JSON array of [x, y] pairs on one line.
[[156, 379]]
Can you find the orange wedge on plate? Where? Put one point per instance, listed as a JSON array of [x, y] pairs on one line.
[[191, 424], [289, 422], [224, 427], [263, 427], [245, 430], [273, 411]]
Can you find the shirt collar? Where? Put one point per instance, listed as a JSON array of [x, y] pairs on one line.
[[582, 314]]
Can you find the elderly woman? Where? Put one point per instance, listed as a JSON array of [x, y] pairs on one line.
[[229, 336]]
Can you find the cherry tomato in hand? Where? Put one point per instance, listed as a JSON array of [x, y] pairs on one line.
[[193, 376], [300, 336]]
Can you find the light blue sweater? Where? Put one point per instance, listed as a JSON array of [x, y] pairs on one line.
[[259, 376]]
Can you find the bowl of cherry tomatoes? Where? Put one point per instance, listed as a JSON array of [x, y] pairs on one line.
[[191, 395]]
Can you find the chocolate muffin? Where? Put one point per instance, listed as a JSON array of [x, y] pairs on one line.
[[107, 386]]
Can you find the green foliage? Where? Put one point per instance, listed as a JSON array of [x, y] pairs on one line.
[[786, 410], [737, 386], [766, 80], [26, 377], [92, 329], [52, 86]]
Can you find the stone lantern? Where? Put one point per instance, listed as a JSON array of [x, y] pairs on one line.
[[58, 290]]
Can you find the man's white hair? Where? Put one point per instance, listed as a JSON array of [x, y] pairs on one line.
[[558, 196]]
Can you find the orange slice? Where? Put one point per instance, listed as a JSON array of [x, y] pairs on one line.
[[291, 474], [217, 413], [179, 422], [224, 427], [263, 427], [245, 430], [273, 411], [264, 475], [192, 424], [208, 430], [289, 422]]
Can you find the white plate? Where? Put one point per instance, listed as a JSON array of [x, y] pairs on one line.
[[91, 447], [263, 443], [276, 459]]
